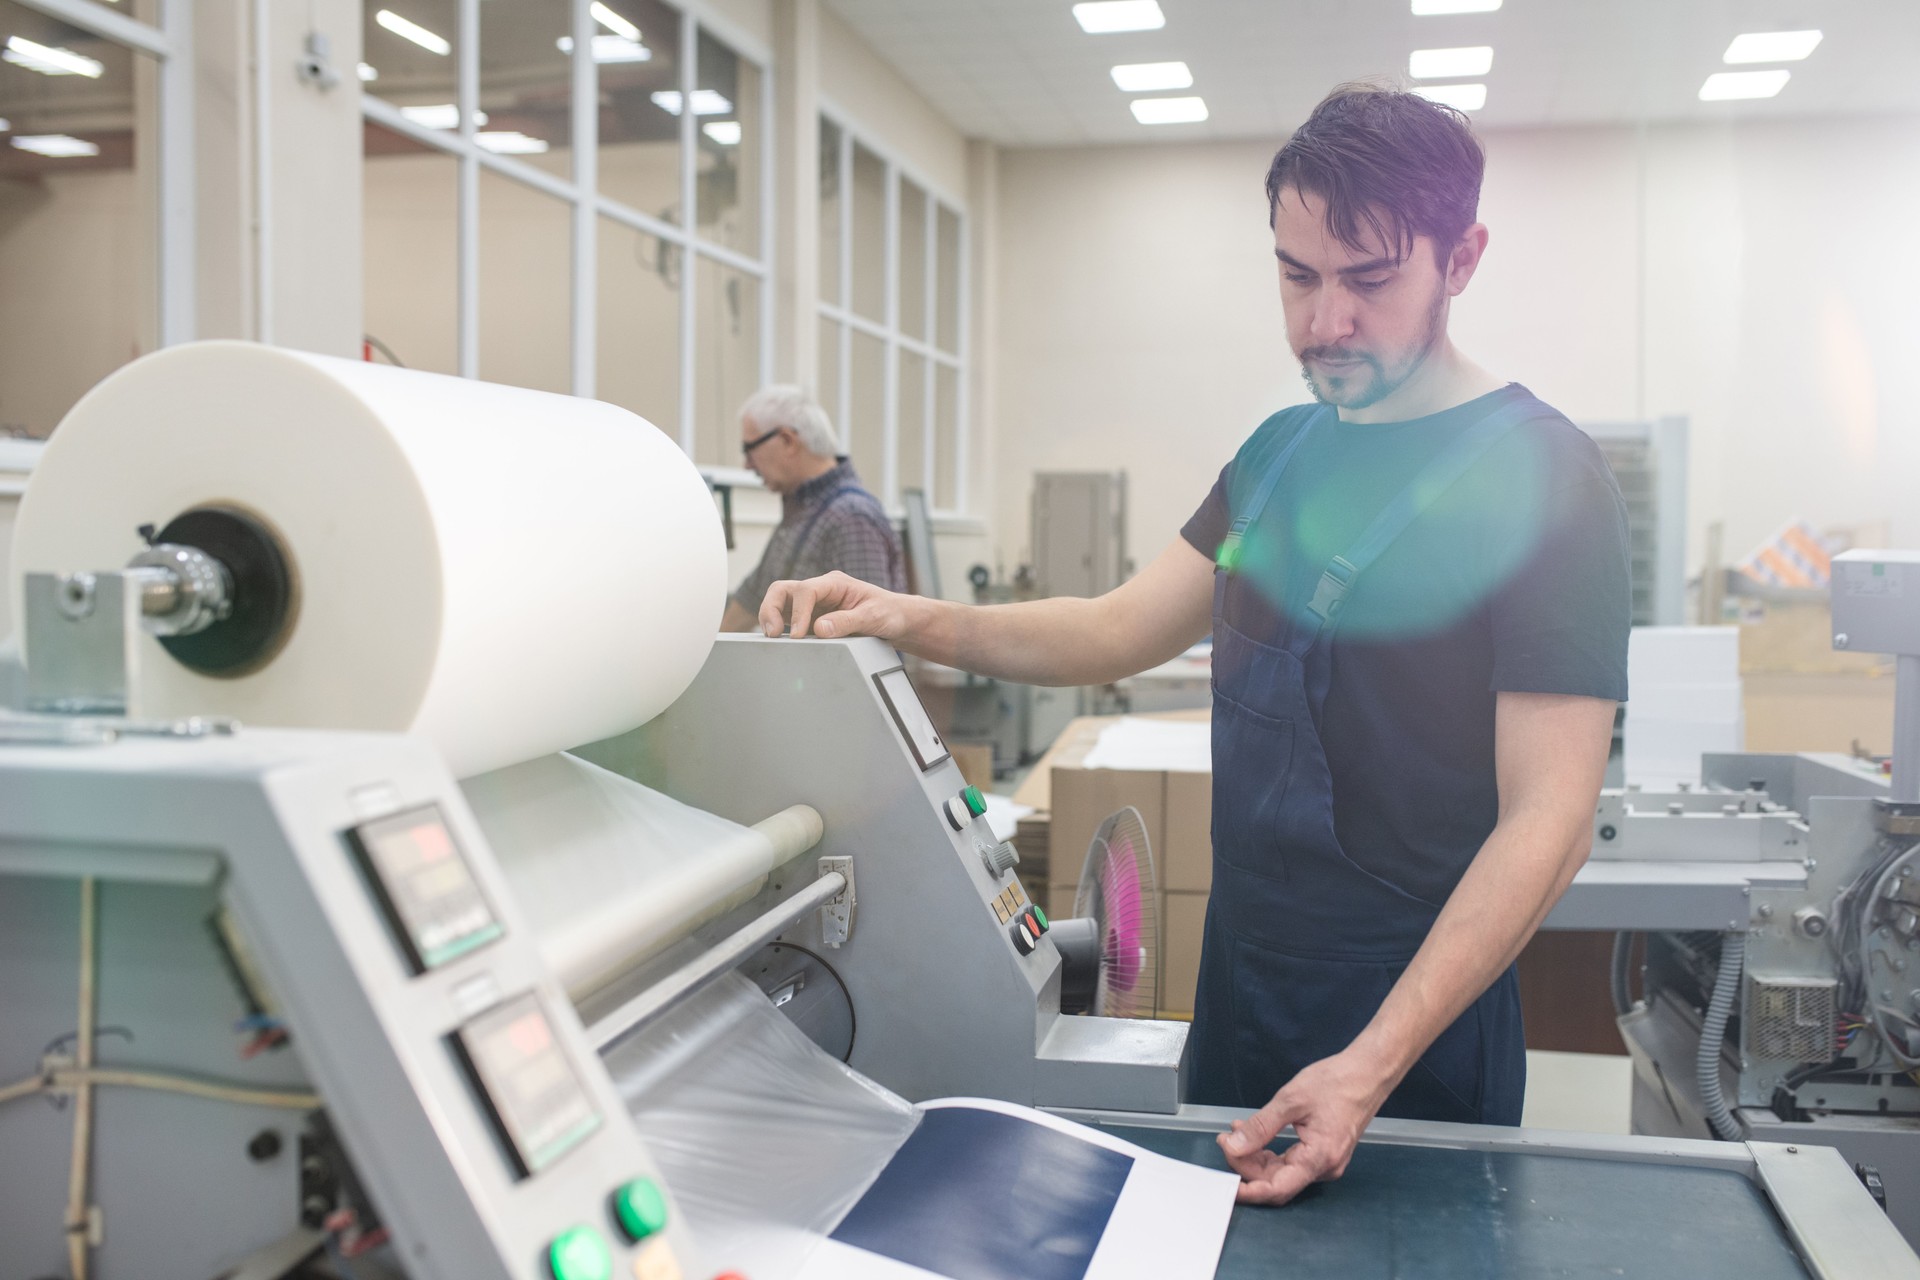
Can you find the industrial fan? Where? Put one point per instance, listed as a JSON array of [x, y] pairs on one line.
[[1110, 949]]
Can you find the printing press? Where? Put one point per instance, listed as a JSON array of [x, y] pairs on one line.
[[295, 1000]]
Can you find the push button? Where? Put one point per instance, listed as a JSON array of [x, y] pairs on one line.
[[1039, 918], [1025, 936], [965, 807], [640, 1208], [580, 1253]]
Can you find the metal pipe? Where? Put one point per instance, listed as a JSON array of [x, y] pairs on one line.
[[1906, 730], [79, 1217], [716, 960]]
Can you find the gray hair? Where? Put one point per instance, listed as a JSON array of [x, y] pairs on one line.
[[785, 405]]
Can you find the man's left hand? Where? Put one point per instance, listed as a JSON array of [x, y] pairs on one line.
[[1329, 1104]]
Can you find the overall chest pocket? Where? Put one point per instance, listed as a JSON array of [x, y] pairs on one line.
[[1252, 773]]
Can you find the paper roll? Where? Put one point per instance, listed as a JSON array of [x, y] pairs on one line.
[[508, 572], [611, 872]]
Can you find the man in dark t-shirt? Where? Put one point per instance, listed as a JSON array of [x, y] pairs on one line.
[[1418, 595]]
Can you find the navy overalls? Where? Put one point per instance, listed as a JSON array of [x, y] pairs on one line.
[[1302, 945]]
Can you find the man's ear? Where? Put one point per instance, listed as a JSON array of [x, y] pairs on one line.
[[1465, 258]]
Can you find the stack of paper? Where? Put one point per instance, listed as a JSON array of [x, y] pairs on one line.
[[1683, 700], [1175, 746]]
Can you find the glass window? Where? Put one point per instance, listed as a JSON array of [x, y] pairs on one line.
[[729, 141], [869, 234], [828, 389], [910, 469], [946, 438], [830, 206], [410, 199], [640, 113], [947, 334], [79, 289], [638, 356], [864, 432], [726, 350], [412, 53], [526, 82], [526, 253], [913, 261]]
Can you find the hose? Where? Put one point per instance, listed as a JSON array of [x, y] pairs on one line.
[[1713, 1034], [1622, 973]]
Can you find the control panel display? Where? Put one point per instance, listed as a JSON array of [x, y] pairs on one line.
[[536, 1100], [423, 881], [911, 718]]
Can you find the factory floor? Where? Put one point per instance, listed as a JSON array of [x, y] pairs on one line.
[[1583, 1092]]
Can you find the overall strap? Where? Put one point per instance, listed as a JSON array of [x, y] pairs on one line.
[[1434, 479], [806, 530], [1229, 553]]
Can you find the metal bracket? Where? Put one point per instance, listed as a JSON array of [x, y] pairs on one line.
[[836, 913]]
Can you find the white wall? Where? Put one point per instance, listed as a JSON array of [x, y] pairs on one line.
[[1755, 278]]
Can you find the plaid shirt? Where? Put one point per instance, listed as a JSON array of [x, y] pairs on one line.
[[828, 523]]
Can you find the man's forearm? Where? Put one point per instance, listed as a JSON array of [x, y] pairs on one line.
[[1520, 872], [1057, 641]]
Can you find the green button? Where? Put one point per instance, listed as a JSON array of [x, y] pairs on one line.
[[976, 803], [641, 1208], [1041, 916], [580, 1253]]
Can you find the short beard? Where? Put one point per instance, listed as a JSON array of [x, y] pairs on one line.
[[1379, 385]]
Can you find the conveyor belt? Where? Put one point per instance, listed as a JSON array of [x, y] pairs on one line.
[[1407, 1211]]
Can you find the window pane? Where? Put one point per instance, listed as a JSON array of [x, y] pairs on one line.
[[827, 390], [731, 135], [913, 260], [526, 82], [726, 351], [948, 335], [946, 438], [526, 250], [863, 434], [639, 325], [78, 288], [410, 259], [869, 234], [420, 81], [830, 206], [910, 470], [640, 113]]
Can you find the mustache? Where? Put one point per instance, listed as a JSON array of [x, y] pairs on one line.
[[1335, 353]]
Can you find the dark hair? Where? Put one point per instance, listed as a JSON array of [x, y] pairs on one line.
[[1394, 163]]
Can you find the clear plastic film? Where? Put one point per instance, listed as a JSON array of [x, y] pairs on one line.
[[766, 1140]]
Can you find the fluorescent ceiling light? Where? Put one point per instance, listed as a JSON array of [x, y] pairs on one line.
[[724, 132], [1106, 16], [1151, 77], [1731, 86], [1772, 46], [367, 74], [511, 142], [440, 115], [413, 31], [609, 48], [706, 102], [57, 145], [1450, 64], [1429, 8], [5, 125], [1461, 97], [614, 22], [1169, 110], [49, 61]]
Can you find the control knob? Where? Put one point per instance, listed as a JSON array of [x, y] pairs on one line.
[[1000, 858]]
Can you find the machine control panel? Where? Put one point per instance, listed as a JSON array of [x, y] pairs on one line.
[[532, 1093], [963, 808], [911, 719], [1027, 928], [424, 886]]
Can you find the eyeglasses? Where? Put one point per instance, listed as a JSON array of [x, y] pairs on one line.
[[746, 450]]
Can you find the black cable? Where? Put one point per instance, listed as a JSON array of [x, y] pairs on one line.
[[1621, 974], [853, 1022]]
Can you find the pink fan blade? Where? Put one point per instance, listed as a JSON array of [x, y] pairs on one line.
[[1120, 888]]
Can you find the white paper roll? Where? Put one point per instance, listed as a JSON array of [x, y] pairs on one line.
[[508, 572]]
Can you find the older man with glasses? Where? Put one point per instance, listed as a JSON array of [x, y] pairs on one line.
[[828, 519]]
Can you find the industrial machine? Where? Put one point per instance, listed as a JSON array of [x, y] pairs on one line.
[[314, 1001], [1780, 908]]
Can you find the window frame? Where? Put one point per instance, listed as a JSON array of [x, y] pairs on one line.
[[839, 309], [587, 204]]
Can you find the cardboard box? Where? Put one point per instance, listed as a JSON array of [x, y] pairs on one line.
[[976, 762], [1083, 799], [1183, 921], [1176, 808], [1831, 712], [1185, 853]]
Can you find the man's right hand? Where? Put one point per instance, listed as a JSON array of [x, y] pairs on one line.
[[834, 605]]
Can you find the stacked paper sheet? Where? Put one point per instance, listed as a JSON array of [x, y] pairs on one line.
[[1684, 700]]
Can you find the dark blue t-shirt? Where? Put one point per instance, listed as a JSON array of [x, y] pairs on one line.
[[1515, 579]]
